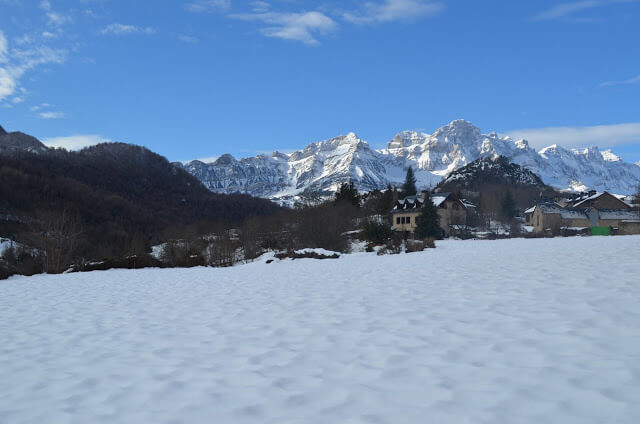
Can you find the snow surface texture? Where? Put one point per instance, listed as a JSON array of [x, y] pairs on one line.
[[513, 331], [323, 166]]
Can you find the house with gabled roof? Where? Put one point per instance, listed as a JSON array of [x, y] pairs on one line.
[[452, 212], [552, 217], [592, 199]]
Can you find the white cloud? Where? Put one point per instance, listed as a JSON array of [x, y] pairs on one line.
[[394, 10], [564, 10], [122, 29], [75, 142], [209, 159], [598, 135], [22, 40], [48, 34], [39, 107], [54, 18], [4, 48], [187, 39], [202, 6], [260, 6], [27, 52], [52, 115], [633, 80], [8, 84], [16, 62], [292, 26]]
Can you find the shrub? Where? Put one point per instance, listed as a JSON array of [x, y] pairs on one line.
[[377, 232], [415, 246]]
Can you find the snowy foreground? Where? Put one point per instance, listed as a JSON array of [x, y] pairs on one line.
[[513, 331]]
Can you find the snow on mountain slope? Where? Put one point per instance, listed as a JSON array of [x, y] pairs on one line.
[[315, 171], [322, 166], [17, 141]]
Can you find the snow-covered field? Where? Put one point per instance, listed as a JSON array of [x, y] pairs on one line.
[[512, 331]]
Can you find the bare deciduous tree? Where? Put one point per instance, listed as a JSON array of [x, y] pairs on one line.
[[57, 233]]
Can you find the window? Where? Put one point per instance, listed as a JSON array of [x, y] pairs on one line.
[[538, 221], [408, 220], [397, 220]]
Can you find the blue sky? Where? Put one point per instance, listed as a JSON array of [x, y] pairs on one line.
[[198, 78]]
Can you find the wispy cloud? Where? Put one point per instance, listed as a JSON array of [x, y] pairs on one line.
[[208, 6], [55, 18], [187, 39], [52, 115], [393, 10], [50, 35], [564, 10], [39, 107], [301, 27], [633, 80], [4, 48], [75, 142], [600, 135], [260, 6], [16, 62], [122, 29]]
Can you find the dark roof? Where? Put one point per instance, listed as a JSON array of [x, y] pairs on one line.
[[582, 213], [416, 202]]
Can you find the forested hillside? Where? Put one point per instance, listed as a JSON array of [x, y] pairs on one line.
[[108, 200]]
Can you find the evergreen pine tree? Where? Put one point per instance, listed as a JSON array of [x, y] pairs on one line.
[[348, 193], [409, 186], [508, 207], [428, 222], [385, 202]]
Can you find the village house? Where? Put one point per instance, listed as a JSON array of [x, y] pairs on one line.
[[452, 212], [599, 213], [596, 200]]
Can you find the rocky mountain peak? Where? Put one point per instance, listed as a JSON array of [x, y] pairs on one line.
[[17, 141], [407, 139], [224, 160], [459, 130], [349, 139], [609, 156], [324, 165], [520, 144], [553, 150]]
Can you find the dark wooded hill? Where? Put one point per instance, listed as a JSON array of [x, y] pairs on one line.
[[117, 196], [486, 180]]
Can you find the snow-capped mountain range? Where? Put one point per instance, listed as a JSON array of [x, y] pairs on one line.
[[322, 166]]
